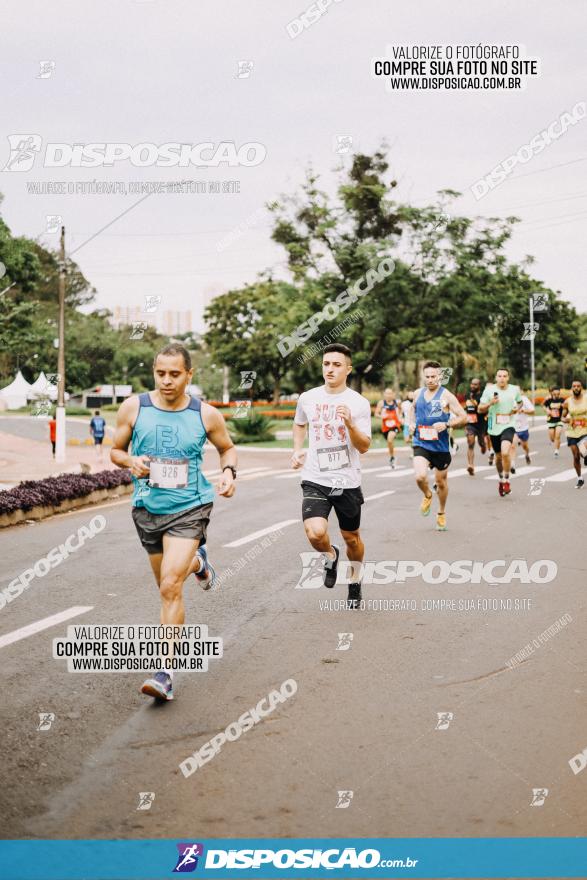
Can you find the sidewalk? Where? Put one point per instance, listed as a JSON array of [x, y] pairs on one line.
[[25, 459]]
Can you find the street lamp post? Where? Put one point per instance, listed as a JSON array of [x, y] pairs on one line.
[[60, 411], [532, 362]]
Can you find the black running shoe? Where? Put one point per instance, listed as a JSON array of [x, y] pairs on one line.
[[491, 457], [331, 568], [512, 470], [354, 599]]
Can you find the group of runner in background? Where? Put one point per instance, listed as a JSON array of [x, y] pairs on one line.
[[562, 413]]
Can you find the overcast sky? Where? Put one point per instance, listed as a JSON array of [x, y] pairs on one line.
[[162, 71]]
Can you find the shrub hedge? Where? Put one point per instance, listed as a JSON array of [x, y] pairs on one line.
[[63, 487]]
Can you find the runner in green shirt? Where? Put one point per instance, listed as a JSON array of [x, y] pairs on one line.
[[501, 401]]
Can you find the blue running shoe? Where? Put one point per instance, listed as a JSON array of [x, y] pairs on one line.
[[160, 686], [206, 576]]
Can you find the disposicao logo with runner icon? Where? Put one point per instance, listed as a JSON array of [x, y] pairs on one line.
[[188, 855]]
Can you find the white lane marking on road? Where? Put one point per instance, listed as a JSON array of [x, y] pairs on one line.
[[398, 473], [46, 623], [379, 495], [268, 473], [254, 535], [374, 470], [216, 472], [560, 478], [519, 473], [461, 471]]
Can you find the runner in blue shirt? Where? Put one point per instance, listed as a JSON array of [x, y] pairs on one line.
[[97, 429], [430, 419]]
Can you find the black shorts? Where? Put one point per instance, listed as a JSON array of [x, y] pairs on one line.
[[574, 441], [496, 439], [318, 501], [151, 527], [98, 441], [438, 460], [479, 429]]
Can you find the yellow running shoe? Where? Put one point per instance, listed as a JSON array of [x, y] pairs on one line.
[[426, 505], [441, 522]]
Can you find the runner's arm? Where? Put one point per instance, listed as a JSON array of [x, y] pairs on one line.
[[486, 401], [360, 441], [565, 412], [299, 436], [219, 437], [412, 412], [460, 416], [378, 409], [119, 455]]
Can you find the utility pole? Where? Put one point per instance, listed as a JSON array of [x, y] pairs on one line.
[[532, 368], [225, 394], [60, 415]]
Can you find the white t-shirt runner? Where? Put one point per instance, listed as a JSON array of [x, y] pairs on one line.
[[521, 419], [331, 459]]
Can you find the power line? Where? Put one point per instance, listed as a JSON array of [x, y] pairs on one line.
[[550, 168]]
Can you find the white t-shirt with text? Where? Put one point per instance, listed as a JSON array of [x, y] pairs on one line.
[[521, 419], [331, 459]]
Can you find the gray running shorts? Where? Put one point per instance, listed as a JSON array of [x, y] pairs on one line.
[[151, 527]]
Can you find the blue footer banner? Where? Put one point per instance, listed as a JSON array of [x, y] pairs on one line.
[[257, 857]]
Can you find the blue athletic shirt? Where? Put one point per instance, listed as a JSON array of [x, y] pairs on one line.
[[98, 424], [171, 434], [427, 413]]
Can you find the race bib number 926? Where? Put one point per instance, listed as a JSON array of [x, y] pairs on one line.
[[168, 473]]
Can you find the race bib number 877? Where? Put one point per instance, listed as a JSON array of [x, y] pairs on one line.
[[332, 458]]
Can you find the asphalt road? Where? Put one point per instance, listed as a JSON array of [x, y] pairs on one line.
[[36, 428], [362, 720]]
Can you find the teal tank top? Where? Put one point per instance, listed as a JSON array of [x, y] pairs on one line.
[[172, 436]]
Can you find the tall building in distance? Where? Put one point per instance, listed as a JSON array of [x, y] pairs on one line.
[[172, 323], [168, 322], [205, 297], [126, 315]]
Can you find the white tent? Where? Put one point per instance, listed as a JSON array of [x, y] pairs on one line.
[[15, 395], [41, 387]]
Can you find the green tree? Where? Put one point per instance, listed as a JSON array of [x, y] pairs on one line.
[[244, 326]]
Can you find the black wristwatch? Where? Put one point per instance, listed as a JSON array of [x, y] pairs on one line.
[[229, 467]]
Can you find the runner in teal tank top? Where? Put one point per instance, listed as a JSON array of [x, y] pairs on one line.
[[172, 500]]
